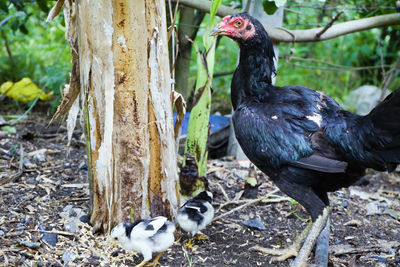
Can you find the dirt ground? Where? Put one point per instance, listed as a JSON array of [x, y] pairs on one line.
[[44, 206]]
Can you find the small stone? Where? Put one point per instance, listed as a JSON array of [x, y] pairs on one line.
[[255, 224], [20, 228], [32, 245], [26, 255], [1, 232], [94, 260], [84, 218], [68, 208], [71, 227], [38, 155], [72, 213], [50, 238], [344, 205], [31, 181], [25, 220], [372, 208], [45, 198], [28, 164], [3, 121], [68, 256], [379, 258], [67, 165]]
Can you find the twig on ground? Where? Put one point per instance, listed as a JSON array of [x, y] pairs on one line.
[[242, 201], [54, 232], [74, 199], [246, 204], [345, 250], [14, 178], [223, 192], [21, 159]]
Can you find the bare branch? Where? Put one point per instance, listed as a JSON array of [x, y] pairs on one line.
[[335, 66], [55, 10], [280, 35], [387, 81], [327, 26]]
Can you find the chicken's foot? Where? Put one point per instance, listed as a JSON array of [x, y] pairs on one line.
[[288, 252], [143, 263], [155, 262]]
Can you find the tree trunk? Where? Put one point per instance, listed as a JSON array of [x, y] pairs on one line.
[[189, 22], [126, 92]]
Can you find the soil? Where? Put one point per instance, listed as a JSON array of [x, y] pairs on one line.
[[36, 200]]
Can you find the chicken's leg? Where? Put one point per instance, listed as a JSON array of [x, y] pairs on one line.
[[155, 262], [322, 248], [288, 252], [316, 229], [143, 263]]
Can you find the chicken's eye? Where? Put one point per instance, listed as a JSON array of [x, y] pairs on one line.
[[238, 23], [115, 238]]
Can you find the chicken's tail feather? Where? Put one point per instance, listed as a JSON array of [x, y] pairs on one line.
[[384, 138]]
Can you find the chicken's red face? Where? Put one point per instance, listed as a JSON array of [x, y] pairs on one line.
[[235, 27]]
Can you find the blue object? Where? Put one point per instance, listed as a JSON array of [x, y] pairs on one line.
[[50, 238], [255, 224], [217, 122]]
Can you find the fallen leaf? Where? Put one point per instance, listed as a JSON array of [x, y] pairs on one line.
[[9, 129], [394, 213]]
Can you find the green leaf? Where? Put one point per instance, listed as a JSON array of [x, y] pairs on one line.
[[269, 7], [23, 29], [43, 5], [213, 10], [9, 129], [3, 6], [251, 181]]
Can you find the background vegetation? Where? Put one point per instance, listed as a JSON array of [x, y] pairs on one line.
[[33, 48], [38, 50], [335, 66]]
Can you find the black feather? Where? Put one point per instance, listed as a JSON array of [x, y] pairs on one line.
[[129, 226], [321, 164], [302, 139]]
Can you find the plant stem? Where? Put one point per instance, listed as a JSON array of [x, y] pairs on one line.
[[8, 49]]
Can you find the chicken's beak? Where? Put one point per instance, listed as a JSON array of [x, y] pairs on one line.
[[217, 30]]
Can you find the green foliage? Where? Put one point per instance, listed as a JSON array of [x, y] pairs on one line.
[[336, 66], [33, 48], [197, 136], [270, 6]]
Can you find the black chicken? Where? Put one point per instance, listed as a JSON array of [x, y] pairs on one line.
[[302, 139]]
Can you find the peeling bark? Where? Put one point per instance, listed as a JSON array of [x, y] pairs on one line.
[[124, 79]]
